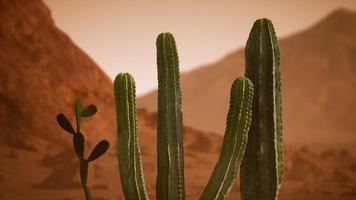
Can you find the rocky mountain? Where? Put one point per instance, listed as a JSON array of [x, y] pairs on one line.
[[318, 83], [42, 72]]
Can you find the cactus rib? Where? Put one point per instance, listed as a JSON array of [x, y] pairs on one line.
[[170, 177], [235, 140], [261, 171], [129, 156]]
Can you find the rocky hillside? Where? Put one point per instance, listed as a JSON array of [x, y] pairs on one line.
[[318, 74], [42, 73]]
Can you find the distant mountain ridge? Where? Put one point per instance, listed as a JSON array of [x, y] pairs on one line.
[[318, 74]]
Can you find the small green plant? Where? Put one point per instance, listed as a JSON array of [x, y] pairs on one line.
[[79, 143]]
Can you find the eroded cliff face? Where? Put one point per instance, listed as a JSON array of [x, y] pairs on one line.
[[42, 73]]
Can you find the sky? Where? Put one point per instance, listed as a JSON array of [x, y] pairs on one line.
[[120, 36]]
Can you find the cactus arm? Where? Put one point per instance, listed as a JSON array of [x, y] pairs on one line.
[[129, 156], [170, 177], [261, 171], [234, 143]]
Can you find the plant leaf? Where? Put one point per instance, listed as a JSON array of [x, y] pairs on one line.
[[64, 123], [89, 111], [99, 150], [78, 142]]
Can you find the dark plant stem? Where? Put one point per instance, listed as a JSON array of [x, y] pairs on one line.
[[84, 178]]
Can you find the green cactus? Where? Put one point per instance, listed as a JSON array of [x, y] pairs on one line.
[[235, 140], [170, 178], [79, 143], [262, 166], [129, 156]]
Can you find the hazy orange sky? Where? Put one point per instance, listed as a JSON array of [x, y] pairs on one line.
[[120, 35]]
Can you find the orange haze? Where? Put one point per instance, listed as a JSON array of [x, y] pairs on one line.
[[120, 35]]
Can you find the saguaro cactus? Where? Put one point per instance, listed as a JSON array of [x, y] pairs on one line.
[[79, 143], [235, 140], [170, 178], [129, 156], [261, 171]]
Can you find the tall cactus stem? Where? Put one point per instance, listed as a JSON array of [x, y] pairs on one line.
[[235, 140], [261, 171], [129, 155], [170, 177]]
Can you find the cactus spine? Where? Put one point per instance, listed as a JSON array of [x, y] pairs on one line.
[[170, 178], [261, 171], [79, 143], [235, 140], [129, 156]]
